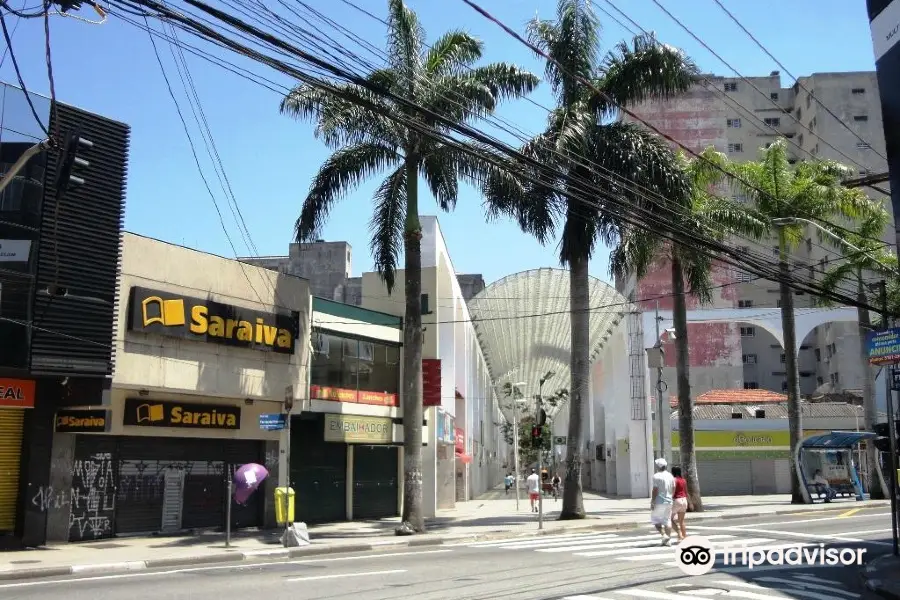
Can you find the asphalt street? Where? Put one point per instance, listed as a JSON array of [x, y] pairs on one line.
[[594, 566]]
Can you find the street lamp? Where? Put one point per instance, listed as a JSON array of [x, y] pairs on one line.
[[537, 418], [515, 407]]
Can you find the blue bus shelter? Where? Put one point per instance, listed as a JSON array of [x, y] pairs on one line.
[[834, 451]]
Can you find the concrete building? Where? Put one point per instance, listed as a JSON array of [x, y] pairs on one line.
[[738, 117]]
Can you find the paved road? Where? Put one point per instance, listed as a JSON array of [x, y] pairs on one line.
[[560, 567]]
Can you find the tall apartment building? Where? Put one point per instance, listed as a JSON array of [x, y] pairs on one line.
[[739, 117]]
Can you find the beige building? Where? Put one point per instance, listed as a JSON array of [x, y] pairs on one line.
[[205, 346], [738, 117]]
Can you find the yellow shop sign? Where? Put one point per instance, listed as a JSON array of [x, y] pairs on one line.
[[172, 315], [741, 439], [357, 429]]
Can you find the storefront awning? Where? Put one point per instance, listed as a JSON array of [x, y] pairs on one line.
[[835, 440]]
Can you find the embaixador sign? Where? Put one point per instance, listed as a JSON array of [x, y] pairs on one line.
[[173, 315]]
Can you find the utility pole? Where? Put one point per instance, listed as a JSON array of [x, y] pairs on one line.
[[892, 432], [515, 409], [660, 389], [539, 421]]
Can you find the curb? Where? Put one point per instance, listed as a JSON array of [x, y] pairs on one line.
[[320, 550], [871, 581]]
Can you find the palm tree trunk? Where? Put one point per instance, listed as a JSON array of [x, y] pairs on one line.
[[877, 486], [579, 313], [683, 377], [412, 356], [790, 364]]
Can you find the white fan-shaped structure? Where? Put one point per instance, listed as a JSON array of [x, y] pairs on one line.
[[523, 324]]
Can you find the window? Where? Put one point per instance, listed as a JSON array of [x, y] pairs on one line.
[[799, 113], [775, 251], [819, 381], [784, 386], [759, 413], [745, 303], [835, 378], [805, 374], [355, 365], [773, 95], [863, 145], [749, 359], [751, 385], [808, 100], [778, 304], [858, 91], [734, 123], [860, 118], [772, 121], [737, 415], [783, 358], [744, 277], [800, 139], [730, 86], [818, 353], [809, 244], [735, 147], [748, 331]]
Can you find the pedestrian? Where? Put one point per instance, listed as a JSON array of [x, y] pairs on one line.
[[680, 504], [533, 485], [508, 481], [556, 483], [661, 500]]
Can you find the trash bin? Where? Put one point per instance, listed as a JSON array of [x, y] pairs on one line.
[[284, 505]]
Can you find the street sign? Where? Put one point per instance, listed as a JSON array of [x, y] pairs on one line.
[[272, 422], [884, 347], [895, 379], [559, 440]]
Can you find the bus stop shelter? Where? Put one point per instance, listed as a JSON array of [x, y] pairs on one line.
[[831, 453]]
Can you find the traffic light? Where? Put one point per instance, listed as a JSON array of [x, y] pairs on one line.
[[883, 442], [537, 436], [70, 161]]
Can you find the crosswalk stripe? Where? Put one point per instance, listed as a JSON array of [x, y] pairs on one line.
[[582, 597], [667, 551], [812, 586], [572, 536], [793, 591], [647, 541], [550, 544]]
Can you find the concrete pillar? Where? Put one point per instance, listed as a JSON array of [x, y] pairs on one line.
[[56, 498]]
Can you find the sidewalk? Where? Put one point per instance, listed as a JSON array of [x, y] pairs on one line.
[[493, 515], [882, 577]]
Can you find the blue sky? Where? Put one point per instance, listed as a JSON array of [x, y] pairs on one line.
[[270, 159]]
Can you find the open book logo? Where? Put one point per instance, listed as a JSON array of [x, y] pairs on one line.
[[150, 413], [169, 313]]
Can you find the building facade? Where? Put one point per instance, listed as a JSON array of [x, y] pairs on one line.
[[738, 117], [346, 445], [205, 346], [59, 258]]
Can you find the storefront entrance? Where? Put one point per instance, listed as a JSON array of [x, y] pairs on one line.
[[318, 472], [375, 482], [137, 485]]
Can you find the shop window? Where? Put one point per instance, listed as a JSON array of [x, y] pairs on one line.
[[328, 361], [380, 373], [350, 364]]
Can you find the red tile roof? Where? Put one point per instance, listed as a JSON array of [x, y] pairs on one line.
[[734, 397]]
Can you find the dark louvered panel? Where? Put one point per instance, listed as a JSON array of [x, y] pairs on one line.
[[80, 251]]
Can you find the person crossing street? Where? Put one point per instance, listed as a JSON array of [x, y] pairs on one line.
[[533, 485]]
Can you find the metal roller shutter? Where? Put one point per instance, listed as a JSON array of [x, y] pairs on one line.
[[375, 482], [725, 477], [10, 452], [94, 488], [318, 473]]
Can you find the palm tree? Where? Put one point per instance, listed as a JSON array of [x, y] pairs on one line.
[[783, 193], [582, 143], [706, 215], [863, 255], [370, 134]]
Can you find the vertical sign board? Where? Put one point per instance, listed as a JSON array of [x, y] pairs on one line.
[[431, 382], [884, 23]]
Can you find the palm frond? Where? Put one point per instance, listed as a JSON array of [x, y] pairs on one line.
[[452, 53], [645, 70], [386, 225], [696, 266], [635, 253], [406, 39], [342, 172], [439, 169], [835, 277], [339, 117]]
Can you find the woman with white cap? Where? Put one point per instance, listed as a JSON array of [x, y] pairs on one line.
[[661, 500]]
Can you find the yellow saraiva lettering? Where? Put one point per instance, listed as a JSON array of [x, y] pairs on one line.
[[203, 323], [211, 418]]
